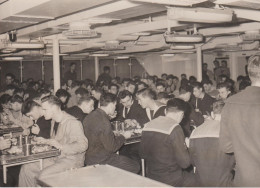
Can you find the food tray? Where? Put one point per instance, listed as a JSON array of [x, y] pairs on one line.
[[134, 139], [10, 159], [10, 129]]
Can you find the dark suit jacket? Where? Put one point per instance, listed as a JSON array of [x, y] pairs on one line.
[[135, 112]]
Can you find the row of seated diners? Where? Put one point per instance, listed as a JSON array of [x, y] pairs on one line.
[[180, 138]]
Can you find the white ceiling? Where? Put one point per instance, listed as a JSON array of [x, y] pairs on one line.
[[45, 19]]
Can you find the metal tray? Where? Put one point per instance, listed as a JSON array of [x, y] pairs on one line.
[[134, 139], [10, 159], [10, 129]]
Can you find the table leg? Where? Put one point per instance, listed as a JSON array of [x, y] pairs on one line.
[[41, 165], [5, 174]]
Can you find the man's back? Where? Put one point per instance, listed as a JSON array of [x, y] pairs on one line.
[[213, 166], [102, 142], [239, 133]]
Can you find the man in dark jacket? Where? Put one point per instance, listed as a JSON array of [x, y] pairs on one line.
[[102, 142], [164, 150], [239, 131], [105, 77]]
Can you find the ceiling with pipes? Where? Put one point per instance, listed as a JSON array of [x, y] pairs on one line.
[[127, 27]]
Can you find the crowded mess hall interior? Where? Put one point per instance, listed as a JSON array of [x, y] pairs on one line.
[[129, 93]]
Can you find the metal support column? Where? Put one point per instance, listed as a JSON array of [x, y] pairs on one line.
[[199, 64], [233, 66], [130, 67], [96, 68], [43, 76], [56, 65], [114, 64], [81, 70], [21, 70]]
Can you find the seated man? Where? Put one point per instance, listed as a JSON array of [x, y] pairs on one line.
[[147, 99], [41, 127], [202, 102], [102, 142], [69, 138], [213, 166], [224, 90], [15, 114], [84, 107], [130, 109], [164, 150], [210, 89]]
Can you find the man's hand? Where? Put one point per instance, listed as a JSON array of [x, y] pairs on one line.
[[5, 144], [54, 143], [35, 129], [127, 134]]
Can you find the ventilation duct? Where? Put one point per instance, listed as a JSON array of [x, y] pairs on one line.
[[251, 35], [21, 45], [79, 30], [200, 15], [175, 37], [113, 45]]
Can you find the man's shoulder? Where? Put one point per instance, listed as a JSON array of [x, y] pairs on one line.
[[209, 129]]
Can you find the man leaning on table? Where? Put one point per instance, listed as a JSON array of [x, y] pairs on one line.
[[69, 138], [103, 144]]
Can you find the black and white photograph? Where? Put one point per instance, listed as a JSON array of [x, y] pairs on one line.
[[129, 93]]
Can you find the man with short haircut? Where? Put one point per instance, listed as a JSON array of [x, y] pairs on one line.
[[147, 99], [104, 77], [41, 127], [84, 107], [239, 129], [9, 89], [69, 138], [160, 87], [202, 102], [210, 89], [131, 87], [102, 142], [130, 109], [113, 88], [71, 74], [163, 148], [224, 90], [213, 166]]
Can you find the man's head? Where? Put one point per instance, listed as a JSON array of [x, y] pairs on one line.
[[183, 76], [125, 81], [86, 104], [254, 69], [163, 97], [218, 106], [175, 80], [9, 78], [63, 95], [51, 105], [16, 103], [164, 76], [207, 84], [224, 90], [185, 92], [160, 87], [5, 101], [19, 91], [145, 97], [126, 98], [72, 67], [32, 109], [198, 89], [131, 87], [10, 89], [81, 92], [204, 66], [141, 85], [192, 79], [169, 80], [223, 63], [216, 63], [106, 69], [113, 88], [96, 92], [108, 103], [175, 109]]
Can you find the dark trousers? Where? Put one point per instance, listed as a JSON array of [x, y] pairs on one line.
[[123, 162], [12, 176], [131, 151]]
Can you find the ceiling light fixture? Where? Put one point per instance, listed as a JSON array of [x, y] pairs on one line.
[[167, 55], [12, 58], [182, 47], [122, 57], [99, 55]]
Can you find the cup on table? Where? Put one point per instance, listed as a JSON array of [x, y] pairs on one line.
[[27, 149], [116, 126]]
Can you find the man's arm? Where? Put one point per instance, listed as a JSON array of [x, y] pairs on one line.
[[179, 147], [224, 135]]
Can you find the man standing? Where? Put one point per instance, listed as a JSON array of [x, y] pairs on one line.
[[103, 144], [71, 74], [104, 77], [239, 132], [69, 138], [164, 150], [213, 166]]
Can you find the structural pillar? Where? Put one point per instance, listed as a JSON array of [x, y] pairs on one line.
[[233, 66], [96, 68], [56, 64], [199, 64], [81, 69]]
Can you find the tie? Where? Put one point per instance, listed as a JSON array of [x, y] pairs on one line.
[[126, 111], [151, 112]]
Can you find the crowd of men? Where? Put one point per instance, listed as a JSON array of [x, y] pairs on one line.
[[194, 133]]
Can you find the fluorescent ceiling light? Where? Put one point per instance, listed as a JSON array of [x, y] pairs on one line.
[[12, 58], [99, 55], [170, 38], [141, 34], [182, 47], [122, 57], [173, 2], [24, 45], [200, 15], [8, 50], [167, 55]]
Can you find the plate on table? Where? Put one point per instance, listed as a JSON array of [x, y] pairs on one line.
[[39, 148], [15, 150]]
